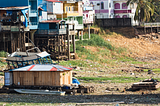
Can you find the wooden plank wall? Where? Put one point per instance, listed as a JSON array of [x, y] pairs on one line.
[[66, 78], [42, 78]]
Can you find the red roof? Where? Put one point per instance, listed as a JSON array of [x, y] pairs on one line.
[[51, 21], [43, 67], [54, 1]]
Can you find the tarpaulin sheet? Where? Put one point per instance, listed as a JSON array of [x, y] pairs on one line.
[[24, 13]]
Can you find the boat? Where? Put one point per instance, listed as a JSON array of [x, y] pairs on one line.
[[31, 91]]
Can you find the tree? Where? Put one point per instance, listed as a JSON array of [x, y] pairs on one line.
[[145, 9]]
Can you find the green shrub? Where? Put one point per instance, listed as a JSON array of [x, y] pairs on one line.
[[2, 54]]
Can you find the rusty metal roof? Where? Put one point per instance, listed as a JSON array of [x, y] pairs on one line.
[[14, 8], [43, 67]]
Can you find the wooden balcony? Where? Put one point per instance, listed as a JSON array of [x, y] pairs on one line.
[[51, 32]]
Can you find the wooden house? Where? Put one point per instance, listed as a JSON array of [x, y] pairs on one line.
[[73, 14], [54, 36], [41, 75], [88, 13]]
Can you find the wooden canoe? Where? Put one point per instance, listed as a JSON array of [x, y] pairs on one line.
[[30, 91]]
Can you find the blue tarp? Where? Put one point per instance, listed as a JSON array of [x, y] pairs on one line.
[[74, 80], [24, 13]]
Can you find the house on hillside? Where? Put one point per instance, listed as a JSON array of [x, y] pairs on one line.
[[24, 14], [73, 14], [114, 9], [121, 10], [103, 8], [88, 13], [14, 25], [51, 7]]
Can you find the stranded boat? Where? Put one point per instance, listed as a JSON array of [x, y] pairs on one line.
[[30, 91]]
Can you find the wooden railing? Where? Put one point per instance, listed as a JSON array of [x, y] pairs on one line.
[[52, 31], [152, 24]]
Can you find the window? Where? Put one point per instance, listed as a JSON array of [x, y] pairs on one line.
[[86, 15], [52, 26], [132, 5], [66, 9], [124, 6], [117, 6], [117, 16], [102, 5], [69, 9], [83, 16], [72, 8], [124, 16], [109, 5]]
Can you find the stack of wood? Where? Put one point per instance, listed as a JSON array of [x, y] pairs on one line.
[[151, 84]]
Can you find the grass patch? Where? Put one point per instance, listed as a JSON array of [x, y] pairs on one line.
[[112, 79], [2, 54], [96, 40], [79, 63], [156, 70], [1, 73]]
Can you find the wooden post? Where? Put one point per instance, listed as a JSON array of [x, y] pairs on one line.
[[24, 41], [68, 45], [64, 44], [144, 29], [12, 43], [74, 46], [157, 27], [58, 48], [81, 35], [151, 29], [78, 35], [7, 42], [4, 41], [89, 31]]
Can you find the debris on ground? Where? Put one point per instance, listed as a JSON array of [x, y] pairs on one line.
[[149, 84]]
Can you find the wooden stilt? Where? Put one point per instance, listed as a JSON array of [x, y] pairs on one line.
[[12, 42], [4, 41], [74, 46], [68, 47], [89, 31], [81, 35]]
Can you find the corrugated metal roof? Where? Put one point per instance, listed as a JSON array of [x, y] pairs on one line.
[[43, 54], [32, 56], [54, 1], [22, 59], [43, 67], [51, 21], [14, 8]]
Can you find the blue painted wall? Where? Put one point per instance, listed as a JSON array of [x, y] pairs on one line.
[[33, 5], [43, 26], [42, 4], [10, 3]]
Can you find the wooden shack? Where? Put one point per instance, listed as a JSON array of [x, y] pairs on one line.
[[42, 75]]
